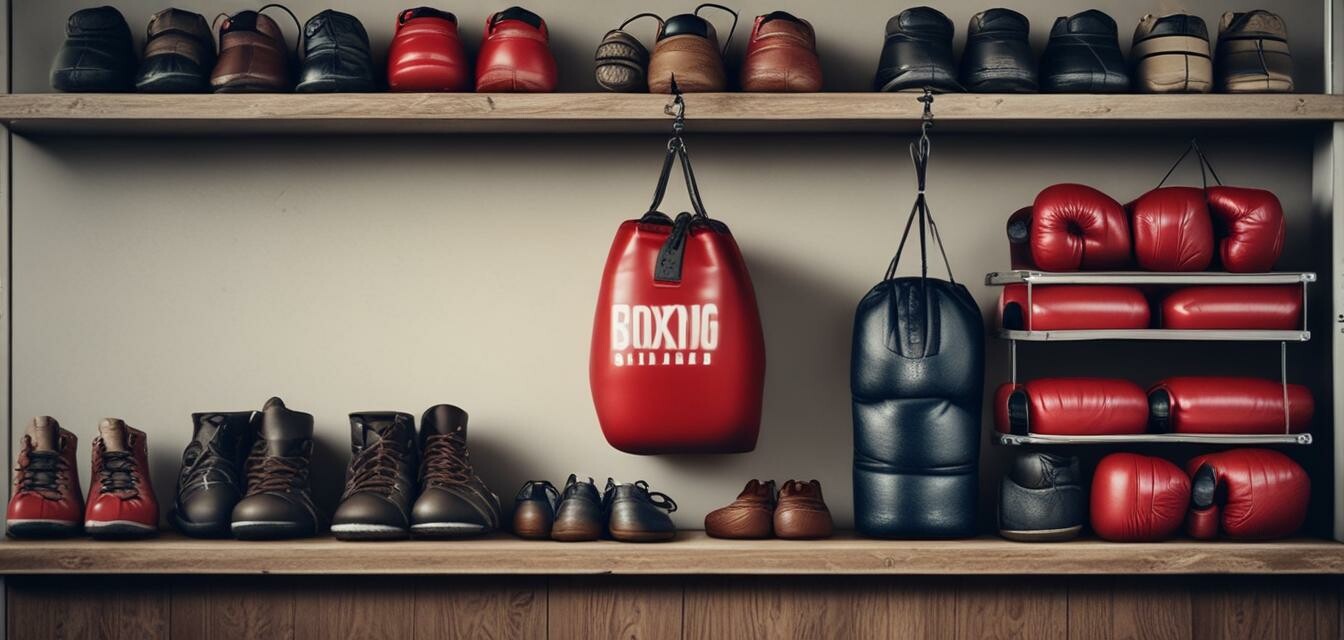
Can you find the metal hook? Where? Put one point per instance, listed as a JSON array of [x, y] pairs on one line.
[[677, 109], [926, 120]]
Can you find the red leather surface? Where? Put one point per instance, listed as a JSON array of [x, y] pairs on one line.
[[1172, 230], [1224, 404], [1061, 307], [1234, 307], [1075, 227], [1138, 498], [701, 394], [1250, 227], [515, 57], [427, 55], [1267, 493], [139, 506], [1082, 407], [65, 504]]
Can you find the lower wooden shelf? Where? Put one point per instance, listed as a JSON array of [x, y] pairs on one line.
[[691, 553]]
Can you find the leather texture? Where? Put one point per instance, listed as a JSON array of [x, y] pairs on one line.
[[917, 379], [1073, 306], [426, 54], [677, 367], [687, 48], [179, 54], [1071, 407], [515, 55], [534, 510], [579, 514], [621, 63], [1171, 54], [279, 500], [1137, 498], [1083, 56], [454, 500], [750, 516], [917, 53], [97, 54], [781, 55], [1268, 307], [121, 502], [801, 513], [1228, 404], [1041, 499], [211, 480], [336, 56], [1172, 230], [1075, 227], [998, 57], [1247, 494], [253, 56], [381, 478], [1253, 55], [636, 514], [47, 501], [1250, 227]]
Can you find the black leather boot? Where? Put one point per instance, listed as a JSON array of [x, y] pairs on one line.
[[1041, 499], [97, 54], [380, 482], [336, 55], [917, 53], [279, 500], [1083, 56], [211, 481], [453, 501], [998, 57], [636, 514], [179, 54]]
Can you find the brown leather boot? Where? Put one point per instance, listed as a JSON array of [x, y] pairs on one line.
[[801, 513], [750, 516], [253, 56]]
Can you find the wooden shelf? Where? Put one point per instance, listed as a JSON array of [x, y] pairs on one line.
[[387, 113], [692, 553]]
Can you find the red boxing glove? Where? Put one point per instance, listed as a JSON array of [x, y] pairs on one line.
[[1073, 306], [1075, 227], [1172, 230], [1250, 227], [1251, 494], [1214, 404], [1071, 407], [1271, 307], [426, 53], [1138, 498], [515, 55]]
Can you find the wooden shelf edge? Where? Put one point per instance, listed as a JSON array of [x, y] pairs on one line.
[[692, 553], [142, 114]]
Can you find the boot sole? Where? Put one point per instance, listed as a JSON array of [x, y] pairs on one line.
[[270, 530], [361, 532], [42, 528], [118, 529], [200, 530], [642, 536], [1042, 535], [448, 530]]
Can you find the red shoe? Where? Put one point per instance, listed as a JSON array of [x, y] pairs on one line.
[[427, 54], [46, 501], [515, 56], [121, 498]]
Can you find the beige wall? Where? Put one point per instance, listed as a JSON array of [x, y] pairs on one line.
[[156, 277]]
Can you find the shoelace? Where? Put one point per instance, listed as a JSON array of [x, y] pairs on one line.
[[117, 472], [377, 467], [446, 461], [656, 498], [201, 463], [43, 473], [274, 473]]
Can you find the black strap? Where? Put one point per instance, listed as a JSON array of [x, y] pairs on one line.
[[637, 16], [920, 151], [1205, 167], [671, 255], [731, 29], [298, 26]]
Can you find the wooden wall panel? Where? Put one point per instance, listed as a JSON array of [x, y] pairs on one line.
[[1127, 607], [487, 608], [1034, 608], [232, 608], [101, 608], [1266, 608], [630, 608], [355, 607]]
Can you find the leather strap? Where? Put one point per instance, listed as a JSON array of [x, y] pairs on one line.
[[1205, 167], [919, 154]]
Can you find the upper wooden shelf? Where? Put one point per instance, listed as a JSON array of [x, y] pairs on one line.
[[382, 113], [691, 553]]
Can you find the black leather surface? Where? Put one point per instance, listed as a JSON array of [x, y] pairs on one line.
[[997, 57], [97, 54], [917, 53], [917, 375], [1042, 492], [336, 55], [685, 24], [1083, 56]]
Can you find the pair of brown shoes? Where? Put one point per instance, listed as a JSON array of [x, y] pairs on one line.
[[797, 512]]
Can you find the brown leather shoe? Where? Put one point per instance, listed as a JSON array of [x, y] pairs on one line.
[[621, 61], [534, 510], [751, 515], [688, 50], [781, 55], [253, 56], [801, 513]]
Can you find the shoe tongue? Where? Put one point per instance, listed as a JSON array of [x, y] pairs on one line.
[[371, 427], [284, 431], [113, 433], [443, 420], [45, 433]]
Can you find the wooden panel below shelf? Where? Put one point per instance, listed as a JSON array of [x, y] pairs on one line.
[[691, 553]]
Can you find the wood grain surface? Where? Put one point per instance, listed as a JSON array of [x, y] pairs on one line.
[[224, 114]]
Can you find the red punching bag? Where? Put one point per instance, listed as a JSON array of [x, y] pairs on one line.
[[678, 359]]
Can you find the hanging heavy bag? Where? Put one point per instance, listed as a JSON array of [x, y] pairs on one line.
[[678, 359], [917, 376]]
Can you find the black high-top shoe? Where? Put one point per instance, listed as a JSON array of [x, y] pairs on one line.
[[211, 481]]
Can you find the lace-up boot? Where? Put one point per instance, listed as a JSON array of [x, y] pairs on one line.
[[47, 501], [636, 514], [279, 500], [121, 497], [453, 501], [380, 481], [211, 480]]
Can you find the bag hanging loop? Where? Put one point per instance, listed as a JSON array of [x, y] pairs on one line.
[[1205, 167], [731, 29], [676, 148], [920, 150]]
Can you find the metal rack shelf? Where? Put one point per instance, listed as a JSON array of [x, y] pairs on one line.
[[1226, 335], [1012, 439], [1001, 278]]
